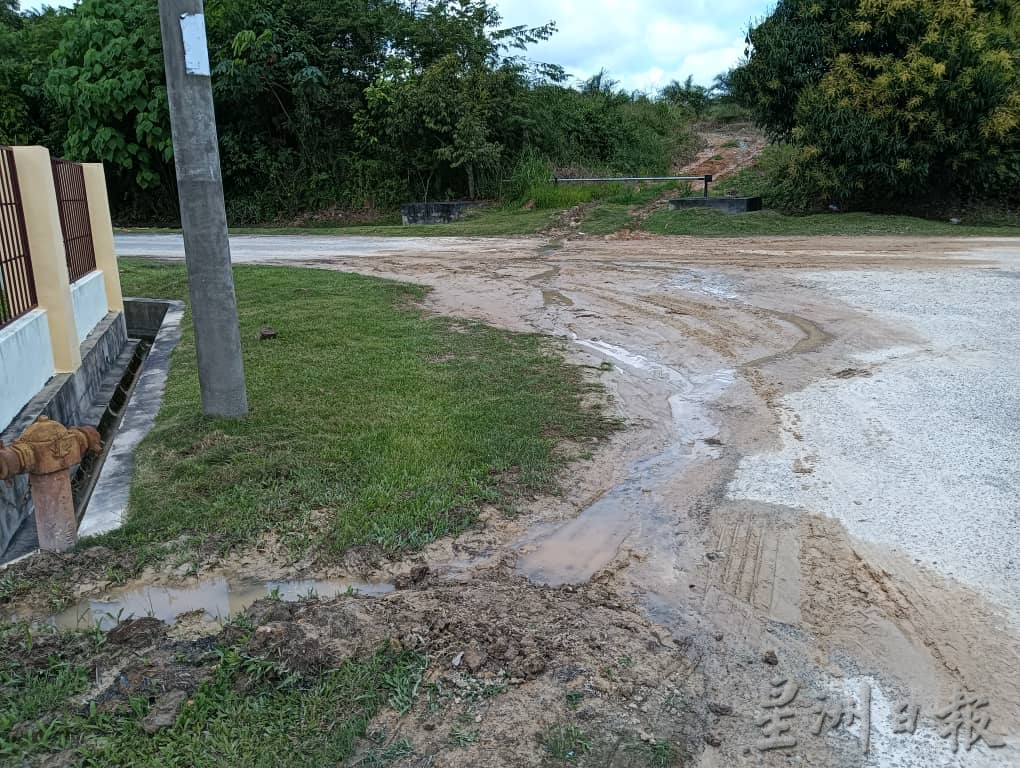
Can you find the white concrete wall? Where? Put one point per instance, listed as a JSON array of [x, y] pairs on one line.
[[26, 362], [88, 297]]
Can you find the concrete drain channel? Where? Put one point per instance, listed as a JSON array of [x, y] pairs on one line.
[[87, 475], [123, 409], [130, 414]]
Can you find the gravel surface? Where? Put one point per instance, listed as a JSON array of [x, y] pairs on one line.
[[923, 454]]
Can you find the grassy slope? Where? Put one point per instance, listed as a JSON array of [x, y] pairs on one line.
[[398, 425], [717, 224], [611, 206]]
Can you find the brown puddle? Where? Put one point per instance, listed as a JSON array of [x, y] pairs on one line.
[[552, 297], [217, 598]]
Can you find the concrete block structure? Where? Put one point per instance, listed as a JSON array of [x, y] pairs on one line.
[[727, 204], [434, 213], [62, 332]]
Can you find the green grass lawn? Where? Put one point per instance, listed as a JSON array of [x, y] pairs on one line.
[[251, 713], [701, 223], [394, 425], [611, 215], [386, 426]]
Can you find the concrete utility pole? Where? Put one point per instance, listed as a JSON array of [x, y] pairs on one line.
[[203, 215]]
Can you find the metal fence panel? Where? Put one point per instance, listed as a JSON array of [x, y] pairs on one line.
[[73, 203], [17, 283]]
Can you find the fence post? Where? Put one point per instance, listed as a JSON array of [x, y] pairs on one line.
[[46, 243], [102, 234]]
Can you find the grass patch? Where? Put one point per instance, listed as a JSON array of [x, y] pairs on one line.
[[566, 195], [705, 223], [565, 742], [393, 425], [724, 113], [606, 219], [251, 713], [662, 754]]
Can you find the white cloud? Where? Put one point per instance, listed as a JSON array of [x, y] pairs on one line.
[[642, 43]]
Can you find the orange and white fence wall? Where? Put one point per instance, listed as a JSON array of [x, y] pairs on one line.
[[58, 269]]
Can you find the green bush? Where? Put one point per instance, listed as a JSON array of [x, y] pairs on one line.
[[891, 100], [788, 178], [726, 113]]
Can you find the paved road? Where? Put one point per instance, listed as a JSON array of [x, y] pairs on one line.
[[255, 248]]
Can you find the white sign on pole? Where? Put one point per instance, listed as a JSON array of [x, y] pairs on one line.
[[196, 50]]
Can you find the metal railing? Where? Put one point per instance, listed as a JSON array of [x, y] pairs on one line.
[[17, 283], [707, 179], [73, 204]]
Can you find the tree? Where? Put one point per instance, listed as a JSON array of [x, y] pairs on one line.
[[445, 117], [687, 94], [107, 76], [27, 115], [915, 99], [321, 104], [722, 87], [289, 77]]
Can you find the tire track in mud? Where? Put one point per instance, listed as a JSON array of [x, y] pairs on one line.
[[833, 596], [814, 337], [959, 632], [747, 569]]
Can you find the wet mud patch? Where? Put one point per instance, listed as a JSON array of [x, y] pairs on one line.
[[907, 622], [522, 675], [503, 668]]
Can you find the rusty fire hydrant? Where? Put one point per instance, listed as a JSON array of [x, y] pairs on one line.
[[46, 451]]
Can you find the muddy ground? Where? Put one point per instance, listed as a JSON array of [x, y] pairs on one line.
[[817, 482]]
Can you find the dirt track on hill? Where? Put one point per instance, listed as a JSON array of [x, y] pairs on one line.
[[726, 150], [810, 423]]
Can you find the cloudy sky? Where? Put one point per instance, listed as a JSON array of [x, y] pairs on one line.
[[642, 43]]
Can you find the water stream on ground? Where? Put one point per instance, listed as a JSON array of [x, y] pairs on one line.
[[555, 554], [217, 598], [573, 552]]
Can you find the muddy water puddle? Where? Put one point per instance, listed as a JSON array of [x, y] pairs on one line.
[[575, 551], [552, 297], [217, 598], [705, 282]]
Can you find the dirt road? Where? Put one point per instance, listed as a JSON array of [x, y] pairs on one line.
[[819, 471]]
